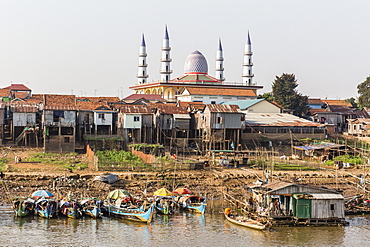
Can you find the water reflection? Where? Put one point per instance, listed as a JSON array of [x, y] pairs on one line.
[[181, 229]]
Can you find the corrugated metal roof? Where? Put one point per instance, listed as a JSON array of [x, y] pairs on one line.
[[243, 104], [223, 108], [183, 116], [169, 109], [131, 109], [60, 108], [278, 120], [23, 108], [325, 196]]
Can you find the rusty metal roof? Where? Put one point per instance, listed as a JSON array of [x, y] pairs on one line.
[[60, 108], [23, 108], [278, 120], [223, 108], [131, 109], [169, 109], [90, 106]]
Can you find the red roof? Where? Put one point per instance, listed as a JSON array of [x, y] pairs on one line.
[[4, 92], [17, 87], [169, 109], [144, 96]]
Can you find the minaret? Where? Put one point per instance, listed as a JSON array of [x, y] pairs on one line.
[[165, 59], [220, 62], [142, 73], [247, 75]]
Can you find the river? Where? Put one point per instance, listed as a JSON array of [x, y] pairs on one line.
[[182, 229]]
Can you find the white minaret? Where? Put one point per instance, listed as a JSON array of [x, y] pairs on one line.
[[220, 62], [142, 73], [247, 75], [165, 59]]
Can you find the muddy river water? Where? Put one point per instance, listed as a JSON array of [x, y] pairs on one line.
[[182, 229]]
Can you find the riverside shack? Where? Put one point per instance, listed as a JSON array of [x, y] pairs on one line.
[[290, 203]]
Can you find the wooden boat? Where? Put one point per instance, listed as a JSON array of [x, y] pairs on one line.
[[132, 214], [164, 205], [192, 203], [70, 208], [23, 206], [91, 207], [243, 221], [46, 208]]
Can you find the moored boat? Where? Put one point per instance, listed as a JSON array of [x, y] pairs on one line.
[[91, 207], [131, 214], [163, 201], [192, 203], [70, 208], [243, 221], [23, 206], [46, 208]]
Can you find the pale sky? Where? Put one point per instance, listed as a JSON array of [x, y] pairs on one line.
[[91, 47]]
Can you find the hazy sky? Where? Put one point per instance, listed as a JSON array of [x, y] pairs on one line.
[[91, 47]]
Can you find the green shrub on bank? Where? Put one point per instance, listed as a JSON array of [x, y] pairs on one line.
[[3, 162]]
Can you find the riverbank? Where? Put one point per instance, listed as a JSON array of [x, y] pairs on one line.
[[22, 178]]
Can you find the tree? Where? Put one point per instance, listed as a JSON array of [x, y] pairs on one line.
[[267, 96], [363, 89], [286, 95], [352, 101]]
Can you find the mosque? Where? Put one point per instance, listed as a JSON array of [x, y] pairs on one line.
[[196, 85]]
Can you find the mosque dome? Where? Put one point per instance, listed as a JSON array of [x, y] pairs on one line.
[[196, 63]]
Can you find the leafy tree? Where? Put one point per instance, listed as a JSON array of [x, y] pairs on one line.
[[267, 96], [363, 89], [352, 101], [286, 95]]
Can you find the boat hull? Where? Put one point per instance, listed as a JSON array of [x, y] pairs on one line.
[[246, 223], [133, 215]]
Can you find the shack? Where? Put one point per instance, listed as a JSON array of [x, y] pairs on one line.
[[293, 204]]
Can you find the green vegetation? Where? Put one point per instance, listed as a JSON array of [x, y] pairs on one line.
[[3, 162], [357, 160], [120, 159], [66, 161], [279, 166]]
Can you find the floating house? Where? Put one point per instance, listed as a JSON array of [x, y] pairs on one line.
[[290, 203]]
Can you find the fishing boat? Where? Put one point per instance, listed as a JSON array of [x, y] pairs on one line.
[[243, 221], [23, 206], [163, 201], [70, 208], [132, 214], [164, 205], [91, 207], [46, 208], [192, 203]]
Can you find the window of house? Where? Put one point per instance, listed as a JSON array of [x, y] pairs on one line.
[[219, 120], [213, 102], [242, 117], [136, 119], [66, 139], [354, 127], [101, 116], [332, 206]]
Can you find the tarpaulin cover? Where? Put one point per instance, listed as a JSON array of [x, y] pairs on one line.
[[323, 145], [59, 113]]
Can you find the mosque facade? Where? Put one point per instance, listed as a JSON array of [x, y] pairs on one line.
[[196, 85]]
